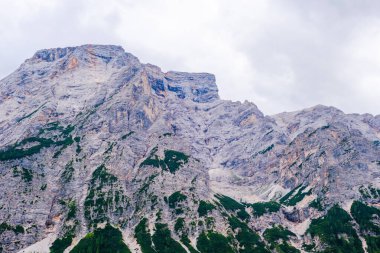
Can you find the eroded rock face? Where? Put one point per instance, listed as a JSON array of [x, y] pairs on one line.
[[89, 135]]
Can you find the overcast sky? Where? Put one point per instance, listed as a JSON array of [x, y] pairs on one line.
[[283, 55]]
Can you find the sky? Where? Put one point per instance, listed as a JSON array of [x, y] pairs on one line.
[[282, 55]]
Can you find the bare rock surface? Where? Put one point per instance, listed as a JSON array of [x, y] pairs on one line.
[[92, 129]]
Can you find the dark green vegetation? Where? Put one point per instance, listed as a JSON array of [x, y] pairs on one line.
[[365, 215], [232, 205], [318, 129], [107, 240], [204, 208], [30, 114], [26, 174], [102, 176], [286, 248], [68, 172], [277, 233], [212, 242], [60, 244], [18, 229], [210, 222], [267, 149], [261, 208], [176, 198], [104, 197], [147, 183], [369, 192], [172, 161], [364, 192], [163, 241], [368, 219], [110, 148], [143, 237], [292, 199], [248, 240], [286, 196], [72, 210], [127, 135], [78, 149], [297, 197], [336, 232], [179, 224], [278, 238], [317, 204], [229, 203], [186, 241], [373, 244], [60, 136], [152, 160], [308, 247], [26, 116]]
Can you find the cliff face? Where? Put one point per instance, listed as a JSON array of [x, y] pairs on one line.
[[90, 136]]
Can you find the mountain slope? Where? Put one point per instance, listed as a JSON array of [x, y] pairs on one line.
[[94, 143]]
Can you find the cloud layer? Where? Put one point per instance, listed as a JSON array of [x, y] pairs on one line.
[[282, 55]]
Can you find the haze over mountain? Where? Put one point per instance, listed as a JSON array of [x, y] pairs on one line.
[[94, 144]]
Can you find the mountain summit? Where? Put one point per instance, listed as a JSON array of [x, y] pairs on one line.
[[101, 153]]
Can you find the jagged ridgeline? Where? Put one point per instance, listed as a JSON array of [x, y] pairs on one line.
[[101, 153]]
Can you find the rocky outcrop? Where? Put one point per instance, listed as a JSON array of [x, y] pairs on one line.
[[90, 136]]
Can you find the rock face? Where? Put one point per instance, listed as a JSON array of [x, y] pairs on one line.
[[92, 139]]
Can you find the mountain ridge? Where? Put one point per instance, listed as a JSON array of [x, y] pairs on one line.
[[90, 136]]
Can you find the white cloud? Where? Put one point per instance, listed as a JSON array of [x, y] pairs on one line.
[[282, 55]]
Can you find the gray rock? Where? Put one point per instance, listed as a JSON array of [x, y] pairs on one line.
[[114, 111]]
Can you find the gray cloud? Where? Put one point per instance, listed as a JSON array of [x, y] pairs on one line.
[[281, 55]]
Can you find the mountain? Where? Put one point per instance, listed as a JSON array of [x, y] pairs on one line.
[[101, 153]]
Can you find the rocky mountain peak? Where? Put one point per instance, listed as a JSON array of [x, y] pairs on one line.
[[95, 144], [107, 52], [109, 60]]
